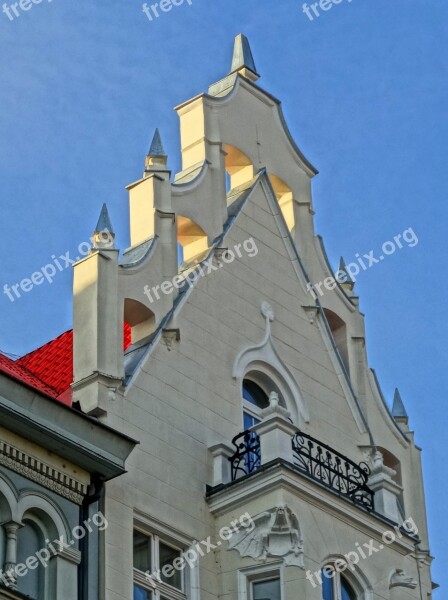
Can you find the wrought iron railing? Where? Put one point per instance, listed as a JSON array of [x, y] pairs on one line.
[[333, 470], [247, 457]]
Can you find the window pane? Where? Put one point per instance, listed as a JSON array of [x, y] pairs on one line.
[[249, 421], [29, 541], [142, 552], [347, 592], [327, 586], [266, 590], [167, 556], [254, 394], [141, 594]]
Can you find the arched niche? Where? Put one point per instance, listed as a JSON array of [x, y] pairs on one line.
[[139, 317], [238, 166], [339, 331], [191, 237], [285, 198]]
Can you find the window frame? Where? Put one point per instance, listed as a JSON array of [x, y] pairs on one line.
[[159, 532], [360, 588], [257, 574]]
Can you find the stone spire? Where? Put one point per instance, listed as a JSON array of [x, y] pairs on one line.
[[398, 410], [243, 61], [343, 276], [104, 235], [156, 157]]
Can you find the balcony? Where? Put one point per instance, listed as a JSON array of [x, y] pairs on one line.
[[314, 460]]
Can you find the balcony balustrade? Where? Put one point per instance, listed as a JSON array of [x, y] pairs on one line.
[[312, 458]]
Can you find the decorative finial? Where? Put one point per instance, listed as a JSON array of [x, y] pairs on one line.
[[156, 156], [343, 276], [104, 236], [398, 409], [267, 311], [243, 61], [156, 148]]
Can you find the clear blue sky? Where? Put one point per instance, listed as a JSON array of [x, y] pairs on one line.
[[84, 84]]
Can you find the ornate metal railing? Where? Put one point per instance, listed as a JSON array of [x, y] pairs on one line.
[[247, 457], [333, 470]]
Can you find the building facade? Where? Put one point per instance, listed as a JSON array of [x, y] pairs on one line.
[[269, 466], [54, 462]]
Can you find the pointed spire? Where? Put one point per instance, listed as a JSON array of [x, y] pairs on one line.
[[156, 148], [104, 222], [104, 235], [398, 409], [243, 61], [156, 159], [343, 276]]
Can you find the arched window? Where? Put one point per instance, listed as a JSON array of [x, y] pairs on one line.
[[335, 586], [30, 540], [255, 399]]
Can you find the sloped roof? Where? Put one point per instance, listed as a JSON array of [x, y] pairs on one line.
[[49, 369], [52, 363], [19, 373]]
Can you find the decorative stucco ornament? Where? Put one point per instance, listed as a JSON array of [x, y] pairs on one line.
[[267, 311], [401, 579], [273, 534]]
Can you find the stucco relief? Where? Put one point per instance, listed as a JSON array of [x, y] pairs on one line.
[[276, 534]]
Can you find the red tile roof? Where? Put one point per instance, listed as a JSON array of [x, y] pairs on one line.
[[52, 363], [19, 373], [49, 369]]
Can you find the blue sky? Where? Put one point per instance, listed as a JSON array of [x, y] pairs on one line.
[[83, 85]]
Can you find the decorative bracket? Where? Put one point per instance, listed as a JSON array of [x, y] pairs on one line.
[[170, 336], [400, 579], [311, 313]]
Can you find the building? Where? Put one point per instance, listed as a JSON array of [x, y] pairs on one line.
[[54, 462], [269, 465]]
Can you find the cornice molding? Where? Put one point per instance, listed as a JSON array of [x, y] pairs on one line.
[[38, 471]]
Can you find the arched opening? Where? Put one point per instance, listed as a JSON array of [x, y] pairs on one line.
[[238, 166], [336, 586], [30, 540], [7, 501], [191, 237], [139, 317], [256, 389], [285, 198], [339, 331]]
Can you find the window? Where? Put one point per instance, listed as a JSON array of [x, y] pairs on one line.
[[260, 582], [335, 586], [29, 541], [266, 590], [255, 400], [157, 575]]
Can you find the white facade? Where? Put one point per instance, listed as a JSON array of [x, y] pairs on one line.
[[243, 204]]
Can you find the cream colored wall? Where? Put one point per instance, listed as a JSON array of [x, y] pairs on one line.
[[185, 400], [182, 402]]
